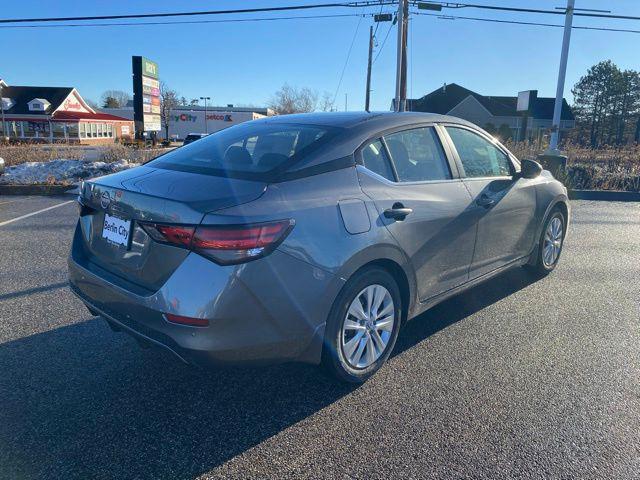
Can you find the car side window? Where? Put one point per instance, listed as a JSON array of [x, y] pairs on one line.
[[479, 157], [418, 155], [375, 159]]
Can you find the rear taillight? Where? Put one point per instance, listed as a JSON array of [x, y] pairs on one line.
[[190, 321], [224, 244]]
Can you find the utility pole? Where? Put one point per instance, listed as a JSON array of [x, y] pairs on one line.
[[368, 93], [405, 57], [399, 55], [557, 110], [346, 102]]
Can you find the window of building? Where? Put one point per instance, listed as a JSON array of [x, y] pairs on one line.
[[57, 129], [73, 130], [83, 132], [94, 130], [110, 130], [479, 157], [418, 155]]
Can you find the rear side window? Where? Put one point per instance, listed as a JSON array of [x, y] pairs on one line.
[[374, 158], [246, 150], [418, 155], [479, 157]]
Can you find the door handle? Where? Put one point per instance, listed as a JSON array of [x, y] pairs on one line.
[[397, 212], [485, 201]]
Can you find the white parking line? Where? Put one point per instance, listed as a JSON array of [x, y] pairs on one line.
[[7, 222]]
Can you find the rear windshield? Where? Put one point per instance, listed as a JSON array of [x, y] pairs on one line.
[[249, 150]]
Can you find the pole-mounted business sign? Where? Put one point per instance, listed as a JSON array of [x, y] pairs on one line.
[[146, 95]]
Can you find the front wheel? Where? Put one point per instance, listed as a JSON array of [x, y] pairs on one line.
[[363, 326], [550, 244]]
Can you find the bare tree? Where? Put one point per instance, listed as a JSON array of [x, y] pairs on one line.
[[91, 103], [326, 103], [115, 98], [293, 100], [168, 101]]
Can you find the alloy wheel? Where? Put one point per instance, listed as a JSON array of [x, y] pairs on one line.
[[367, 326], [552, 242]]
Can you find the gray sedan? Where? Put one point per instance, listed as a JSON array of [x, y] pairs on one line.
[[309, 237]]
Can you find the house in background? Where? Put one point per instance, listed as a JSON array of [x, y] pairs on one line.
[[498, 115], [57, 114]]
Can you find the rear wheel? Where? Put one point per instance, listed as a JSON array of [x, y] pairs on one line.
[[363, 326], [550, 244]]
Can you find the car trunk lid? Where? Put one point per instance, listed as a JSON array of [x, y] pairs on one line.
[[126, 199]]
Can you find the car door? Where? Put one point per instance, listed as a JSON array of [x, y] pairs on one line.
[[424, 204], [504, 203]]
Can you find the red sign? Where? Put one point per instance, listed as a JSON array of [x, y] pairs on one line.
[[72, 105]]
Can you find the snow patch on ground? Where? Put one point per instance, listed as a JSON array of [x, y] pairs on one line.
[[60, 171]]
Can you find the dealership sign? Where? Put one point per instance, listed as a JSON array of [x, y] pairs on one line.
[[146, 95]]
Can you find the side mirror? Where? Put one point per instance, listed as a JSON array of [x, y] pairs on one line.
[[530, 169]]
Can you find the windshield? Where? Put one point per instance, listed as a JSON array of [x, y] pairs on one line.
[[245, 150]]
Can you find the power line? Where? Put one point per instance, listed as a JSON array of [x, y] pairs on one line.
[[354, 4], [186, 22], [383, 42], [353, 40], [576, 13], [519, 22], [378, 23]]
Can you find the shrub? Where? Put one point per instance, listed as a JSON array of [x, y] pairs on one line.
[[605, 168]]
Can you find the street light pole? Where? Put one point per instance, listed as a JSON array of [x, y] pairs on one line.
[[206, 123], [557, 109]]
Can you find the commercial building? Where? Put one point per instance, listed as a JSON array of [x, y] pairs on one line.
[[184, 120], [57, 114], [495, 113]]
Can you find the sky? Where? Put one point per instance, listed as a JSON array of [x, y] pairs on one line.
[[245, 63]]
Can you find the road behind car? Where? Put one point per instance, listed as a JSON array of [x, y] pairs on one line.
[[516, 378]]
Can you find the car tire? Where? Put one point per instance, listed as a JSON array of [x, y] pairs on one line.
[[552, 236], [358, 341]]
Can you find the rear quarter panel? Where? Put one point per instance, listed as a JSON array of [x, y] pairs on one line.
[[328, 233]]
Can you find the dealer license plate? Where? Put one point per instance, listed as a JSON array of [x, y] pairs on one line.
[[116, 230]]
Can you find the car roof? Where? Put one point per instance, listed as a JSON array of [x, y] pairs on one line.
[[378, 120]]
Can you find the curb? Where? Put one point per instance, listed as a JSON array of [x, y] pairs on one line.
[[605, 195], [37, 189]]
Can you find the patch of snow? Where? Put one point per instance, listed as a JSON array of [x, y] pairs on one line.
[[60, 171]]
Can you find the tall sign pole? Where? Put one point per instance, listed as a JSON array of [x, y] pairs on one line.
[[368, 93], [400, 54], [5, 134], [557, 110]]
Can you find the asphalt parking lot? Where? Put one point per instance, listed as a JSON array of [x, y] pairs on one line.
[[519, 378]]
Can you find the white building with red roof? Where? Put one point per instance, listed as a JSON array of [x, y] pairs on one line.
[[57, 114]]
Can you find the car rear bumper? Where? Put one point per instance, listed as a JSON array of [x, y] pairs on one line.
[[269, 310]]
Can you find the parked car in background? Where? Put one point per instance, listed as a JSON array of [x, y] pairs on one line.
[[192, 137], [309, 237]]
